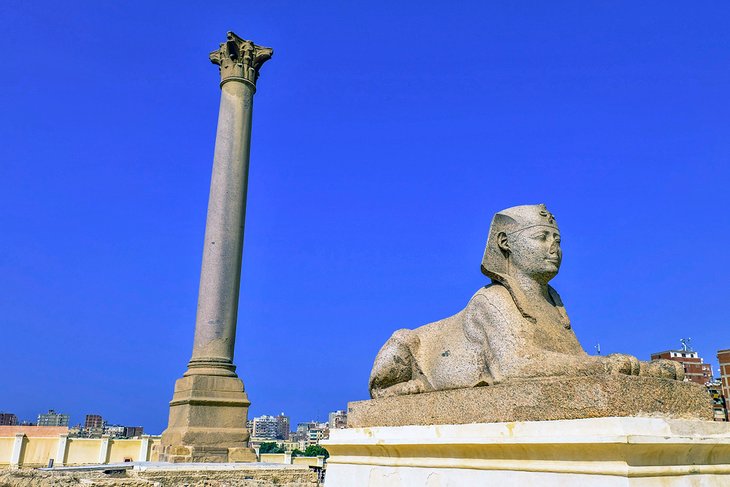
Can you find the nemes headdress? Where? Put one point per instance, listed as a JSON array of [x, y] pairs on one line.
[[494, 263]]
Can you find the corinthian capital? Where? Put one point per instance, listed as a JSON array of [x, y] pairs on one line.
[[239, 59]]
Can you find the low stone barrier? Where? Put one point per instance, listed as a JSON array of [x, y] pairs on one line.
[[166, 475], [22, 450]]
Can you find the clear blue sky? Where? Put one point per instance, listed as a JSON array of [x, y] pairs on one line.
[[386, 134]]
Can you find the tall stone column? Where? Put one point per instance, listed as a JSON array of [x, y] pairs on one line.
[[209, 407]]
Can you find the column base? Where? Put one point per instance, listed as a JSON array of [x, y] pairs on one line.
[[203, 454], [211, 366], [207, 421]]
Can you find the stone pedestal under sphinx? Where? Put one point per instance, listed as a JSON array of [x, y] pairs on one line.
[[610, 430], [546, 432]]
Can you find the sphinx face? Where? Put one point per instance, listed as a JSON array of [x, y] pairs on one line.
[[536, 252]]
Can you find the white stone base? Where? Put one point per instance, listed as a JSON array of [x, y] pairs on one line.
[[603, 452]]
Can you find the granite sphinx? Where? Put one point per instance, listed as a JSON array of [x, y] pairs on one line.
[[513, 329]]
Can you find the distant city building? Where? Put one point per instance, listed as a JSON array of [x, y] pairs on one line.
[[265, 427], [114, 430], [8, 419], [270, 427], [289, 445], [297, 437], [52, 418], [723, 358], [719, 402], [311, 433], [302, 428], [93, 422], [315, 435], [337, 420], [132, 431], [695, 368], [282, 427], [92, 430]]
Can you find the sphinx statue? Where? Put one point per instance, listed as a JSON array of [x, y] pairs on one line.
[[512, 329]]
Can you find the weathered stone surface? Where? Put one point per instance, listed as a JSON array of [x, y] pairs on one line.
[[256, 475], [251, 476], [513, 329], [538, 399], [207, 418], [242, 455]]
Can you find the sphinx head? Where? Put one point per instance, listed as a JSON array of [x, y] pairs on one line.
[[524, 240]]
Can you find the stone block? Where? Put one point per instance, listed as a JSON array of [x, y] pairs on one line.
[[207, 417], [242, 455], [554, 398], [606, 452]]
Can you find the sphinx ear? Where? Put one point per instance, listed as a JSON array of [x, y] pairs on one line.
[[502, 243]]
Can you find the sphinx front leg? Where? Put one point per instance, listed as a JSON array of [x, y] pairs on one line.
[[667, 369], [396, 370], [621, 363]]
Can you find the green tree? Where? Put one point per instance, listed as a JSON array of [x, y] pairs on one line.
[[315, 451], [296, 452], [270, 447]]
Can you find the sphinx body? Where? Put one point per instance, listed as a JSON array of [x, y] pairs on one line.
[[515, 328]]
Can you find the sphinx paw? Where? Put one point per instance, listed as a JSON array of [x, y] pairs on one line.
[[619, 363], [666, 369], [410, 387]]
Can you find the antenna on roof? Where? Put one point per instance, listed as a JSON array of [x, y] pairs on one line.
[[686, 347]]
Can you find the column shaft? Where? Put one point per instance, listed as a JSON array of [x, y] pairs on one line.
[[220, 275]]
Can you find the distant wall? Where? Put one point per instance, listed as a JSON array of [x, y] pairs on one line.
[[309, 461], [26, 450], [6, 450], [6, 431], [275, 457], [287, 459]]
